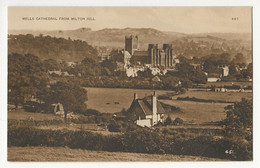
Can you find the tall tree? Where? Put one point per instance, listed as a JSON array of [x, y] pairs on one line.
[[239, 58], [26, 78], [72, 96], [187, 71], [240, 118]]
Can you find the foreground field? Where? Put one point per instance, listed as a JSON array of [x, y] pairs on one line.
[[51, 122], [67, 154]]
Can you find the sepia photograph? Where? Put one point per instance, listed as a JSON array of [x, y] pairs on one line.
[[130, 84]]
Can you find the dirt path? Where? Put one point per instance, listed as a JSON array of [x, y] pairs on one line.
[[67, 154]]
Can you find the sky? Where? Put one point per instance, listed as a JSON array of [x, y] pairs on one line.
[[174, 19]]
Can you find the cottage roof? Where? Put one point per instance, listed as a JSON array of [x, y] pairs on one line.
[[145, 108], [146, 105], [156, 78]]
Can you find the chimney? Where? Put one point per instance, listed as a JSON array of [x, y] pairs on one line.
[[154, 109], [135, 96]]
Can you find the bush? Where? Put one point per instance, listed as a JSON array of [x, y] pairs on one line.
[[177, 121], [232, 87], [89, 112], [168, 121], [113, 127], [31, 106]]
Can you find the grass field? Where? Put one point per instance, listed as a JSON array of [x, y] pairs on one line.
[[197, 112], [67, 154], [103, 100]]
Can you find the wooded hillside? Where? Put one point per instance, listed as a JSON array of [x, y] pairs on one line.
[[47, 47]]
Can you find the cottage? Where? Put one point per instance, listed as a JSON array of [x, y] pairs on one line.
[[146, 112], [60, 73], [156, 79], [213, 77], [131, 72], [155, 71], [58, 109], [225, 71]]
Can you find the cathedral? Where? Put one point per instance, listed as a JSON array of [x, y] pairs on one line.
[[161, 57], [155, 56]]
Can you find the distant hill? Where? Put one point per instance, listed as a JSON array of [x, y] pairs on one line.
[[201, 45], [113, 38], [106, 37], [47, 47], [230, 36], [189, 45]]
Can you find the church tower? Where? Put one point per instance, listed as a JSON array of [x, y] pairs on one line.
[[131, 44]]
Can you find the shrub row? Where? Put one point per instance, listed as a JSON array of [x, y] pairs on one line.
[[202, 100], [138, 141], [197, 131]]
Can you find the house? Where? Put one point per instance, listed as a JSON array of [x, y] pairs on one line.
[[72, 64], [58, 109], [127, 57], [146, 112], [156, 79], [213, 77], [132, 71], [225, 71], [60, 73], [104, 56], [122, 57], [221, 90], [155, 71]]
